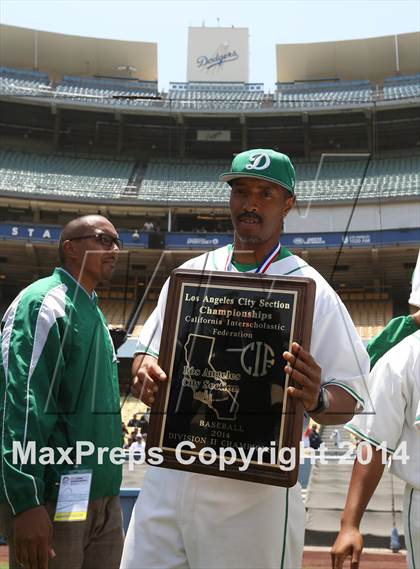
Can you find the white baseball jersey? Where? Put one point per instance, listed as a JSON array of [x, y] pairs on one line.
[[394, 387], [183, 519]]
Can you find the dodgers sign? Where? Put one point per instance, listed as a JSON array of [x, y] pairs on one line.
[[218, 54]]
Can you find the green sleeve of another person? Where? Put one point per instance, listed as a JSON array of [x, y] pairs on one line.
[[396, 330]]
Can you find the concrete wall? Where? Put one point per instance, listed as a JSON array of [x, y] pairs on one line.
[[371, 58], [61, 54]]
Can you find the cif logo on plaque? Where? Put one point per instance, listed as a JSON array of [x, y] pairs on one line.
[[257, 358]]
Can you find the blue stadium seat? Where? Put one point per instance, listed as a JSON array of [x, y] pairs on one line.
[[58, 176], [323, 94]]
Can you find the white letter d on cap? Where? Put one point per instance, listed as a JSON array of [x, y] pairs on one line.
[[259, 161]]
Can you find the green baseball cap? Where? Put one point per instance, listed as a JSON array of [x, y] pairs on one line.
[[263, 163]]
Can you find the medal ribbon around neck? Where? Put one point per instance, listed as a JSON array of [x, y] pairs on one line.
[[262, 268]]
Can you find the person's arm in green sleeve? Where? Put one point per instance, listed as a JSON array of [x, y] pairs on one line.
[[396, 330], [33, 364]]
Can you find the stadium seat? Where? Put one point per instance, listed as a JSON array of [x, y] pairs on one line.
[[402, 87], [215, 96], [196, 181], [323, 94], [178, 181], [24, 83], [55, 176]]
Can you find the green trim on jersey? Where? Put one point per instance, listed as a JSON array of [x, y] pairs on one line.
[[347, 388], [245, 267], [362, 435], [410, 535], [58, 386], [396, 330], [286, 519], [297, 269], [213, 258]]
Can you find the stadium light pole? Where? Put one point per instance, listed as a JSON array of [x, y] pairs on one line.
[[170, 129]]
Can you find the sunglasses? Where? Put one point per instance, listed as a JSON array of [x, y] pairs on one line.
[[107, 241]]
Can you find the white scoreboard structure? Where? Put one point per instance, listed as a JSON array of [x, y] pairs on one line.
[[218, 54]]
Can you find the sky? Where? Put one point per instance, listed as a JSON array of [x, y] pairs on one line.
[[166, 22]]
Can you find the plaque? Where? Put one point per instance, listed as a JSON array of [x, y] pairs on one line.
[[225, 410]]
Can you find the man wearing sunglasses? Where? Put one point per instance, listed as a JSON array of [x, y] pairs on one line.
[[59, 388]]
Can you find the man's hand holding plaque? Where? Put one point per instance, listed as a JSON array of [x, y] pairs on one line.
[[303, 369], [146, 377]]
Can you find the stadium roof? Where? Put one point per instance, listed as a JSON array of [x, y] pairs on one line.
[[371, 58], [61, 54]]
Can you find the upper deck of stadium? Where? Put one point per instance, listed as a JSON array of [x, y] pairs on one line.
[[172, 183], [206, 97], [81, 133], [71, 70], [105, 132]]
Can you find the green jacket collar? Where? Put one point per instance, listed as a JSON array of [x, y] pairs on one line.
[[74, 285]]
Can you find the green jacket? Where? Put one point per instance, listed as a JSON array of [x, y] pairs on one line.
[[395, 331], [58, 385]]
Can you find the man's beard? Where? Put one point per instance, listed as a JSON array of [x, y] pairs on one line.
[[248, 240]]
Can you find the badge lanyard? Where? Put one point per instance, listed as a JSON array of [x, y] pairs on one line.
[[262, 268]]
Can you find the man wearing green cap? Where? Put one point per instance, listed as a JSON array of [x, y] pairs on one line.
[[186, 520]]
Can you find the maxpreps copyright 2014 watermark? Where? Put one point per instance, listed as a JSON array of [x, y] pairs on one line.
[[187, 453]]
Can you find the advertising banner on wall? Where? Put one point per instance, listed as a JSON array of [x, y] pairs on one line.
[[171, 240], [218, 54]]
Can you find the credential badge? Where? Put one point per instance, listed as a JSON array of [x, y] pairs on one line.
[[259, 161]]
